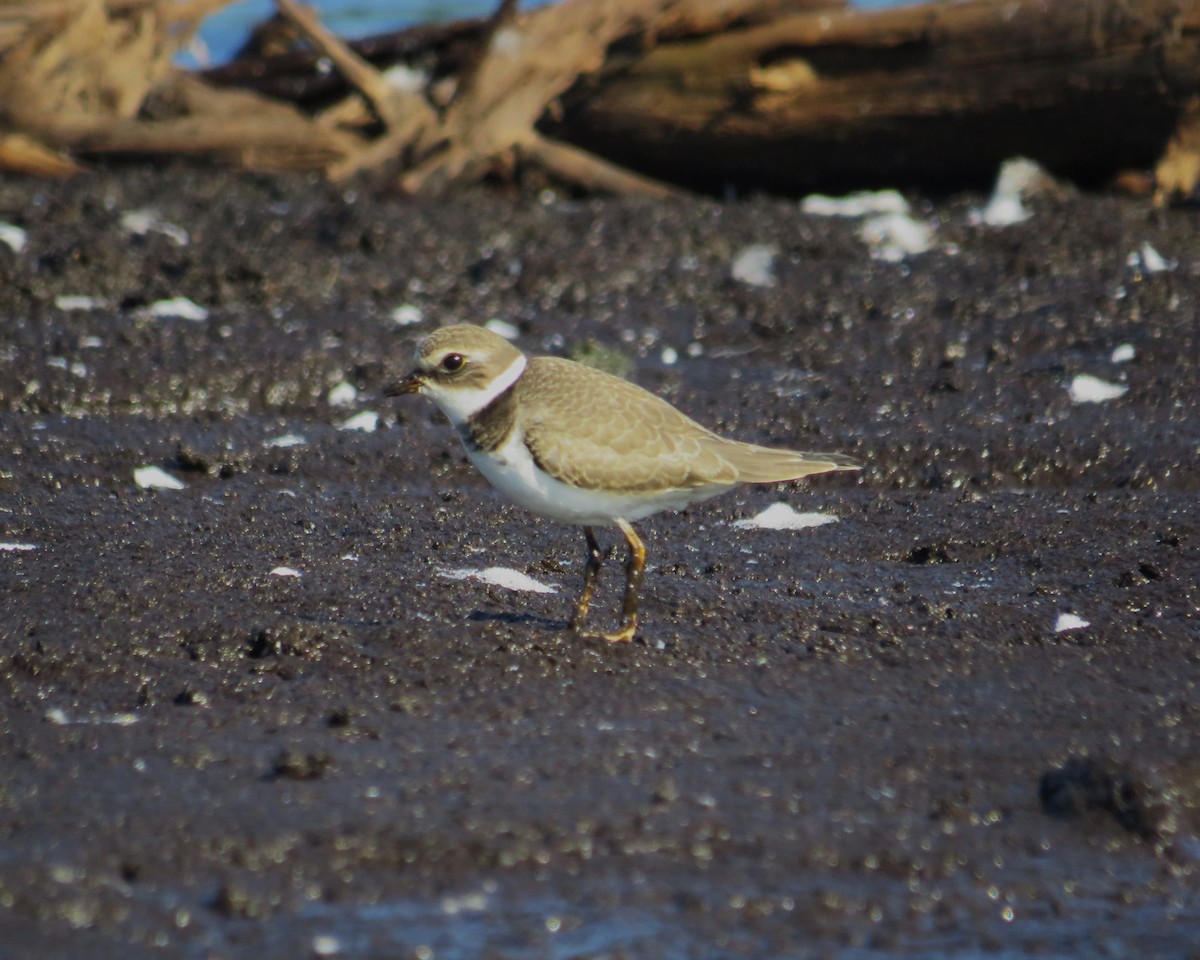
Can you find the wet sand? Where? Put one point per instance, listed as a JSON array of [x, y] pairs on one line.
[[861, 739]]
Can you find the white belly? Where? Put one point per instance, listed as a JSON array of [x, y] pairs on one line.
[[511, 470]]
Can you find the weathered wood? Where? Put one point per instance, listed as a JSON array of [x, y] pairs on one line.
[[937, 94], [633, 95]]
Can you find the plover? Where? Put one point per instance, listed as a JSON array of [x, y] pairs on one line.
[[584, 447]]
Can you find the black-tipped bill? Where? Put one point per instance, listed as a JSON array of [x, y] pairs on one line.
[[410, 384]]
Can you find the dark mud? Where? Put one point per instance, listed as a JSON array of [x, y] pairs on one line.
[[863, 739]]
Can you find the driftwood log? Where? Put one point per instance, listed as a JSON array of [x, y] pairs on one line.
[[627, 95], [938, 94]]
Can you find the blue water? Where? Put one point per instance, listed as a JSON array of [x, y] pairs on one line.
[[224, 32]]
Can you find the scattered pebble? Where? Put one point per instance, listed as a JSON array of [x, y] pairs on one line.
[[285, 440], [1123, 354], [326, 945], [755, 265], [14, 236], [178, 307], [367, 422], [861, 204], [503, 328], [342, 395], [155, 478], [1088, 389], [142, 222], [62, 363], [11, 546], [407, 315], [285, 572], [466, 903], [894, 236], [1068, 621], [501, 577], [69, 304], [782, 516]]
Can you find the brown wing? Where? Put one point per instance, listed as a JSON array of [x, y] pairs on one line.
[[594, 430]]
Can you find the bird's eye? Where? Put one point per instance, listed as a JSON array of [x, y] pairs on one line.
[[452, 362]]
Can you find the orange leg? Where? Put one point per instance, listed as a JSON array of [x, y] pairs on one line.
[[595, 557], [635, 566]]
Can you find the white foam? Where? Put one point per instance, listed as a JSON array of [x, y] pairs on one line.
[[1088, 389], [755, 265], [285, 572], [180, 308], [504, 577], [367, 422], [1068, 621], [155, 478], [860, 204], [11, 546], [782, 516]]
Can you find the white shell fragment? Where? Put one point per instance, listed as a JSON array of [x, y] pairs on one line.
[[894, 236], [342, 395], [407, 315], [502, 328], [180, 308], [13, 236], [285, 440], [782, 516], [68, 304], [1123, 353], [10, 546], [155, 478], [58, 716], [367, 422], [861, 204], [755, 265], [1150, 260], [142, 222], [1068, 621], [1018, 178], [1088, 389], [285, 572], [504, 577]]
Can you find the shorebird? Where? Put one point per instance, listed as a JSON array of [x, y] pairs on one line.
[[581, 446]]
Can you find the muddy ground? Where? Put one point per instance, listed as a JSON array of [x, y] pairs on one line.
[[863, 739]]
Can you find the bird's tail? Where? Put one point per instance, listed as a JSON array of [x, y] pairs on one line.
[[757, 464]]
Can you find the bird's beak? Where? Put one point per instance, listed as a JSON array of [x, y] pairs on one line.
[[410, 384]]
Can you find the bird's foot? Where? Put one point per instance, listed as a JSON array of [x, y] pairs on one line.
[[624, 635]]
